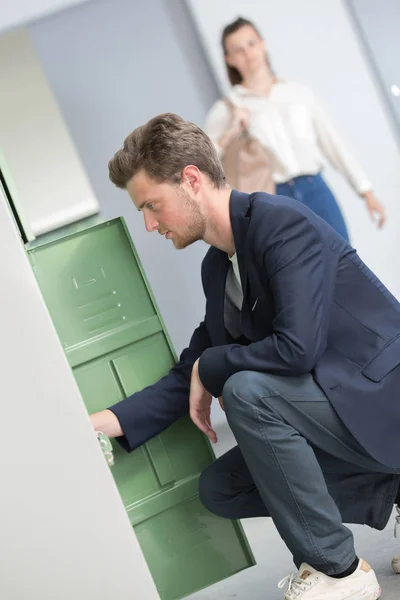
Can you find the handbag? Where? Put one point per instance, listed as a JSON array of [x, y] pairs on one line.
[[248, 164]]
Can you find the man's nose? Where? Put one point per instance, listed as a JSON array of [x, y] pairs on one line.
[[150, 223]]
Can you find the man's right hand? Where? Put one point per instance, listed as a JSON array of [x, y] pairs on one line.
[[106, 422]]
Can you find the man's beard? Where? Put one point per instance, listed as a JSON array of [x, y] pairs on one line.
[[196, 223]]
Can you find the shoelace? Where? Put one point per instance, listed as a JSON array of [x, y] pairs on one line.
[[295, 586], [397, 523]]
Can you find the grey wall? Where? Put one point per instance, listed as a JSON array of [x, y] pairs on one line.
[[377, 24], [112, 65]]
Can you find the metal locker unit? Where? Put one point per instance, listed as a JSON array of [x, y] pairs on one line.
[[116, 343]]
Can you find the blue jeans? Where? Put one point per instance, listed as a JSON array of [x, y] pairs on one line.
[[312, 191], [297, 463]]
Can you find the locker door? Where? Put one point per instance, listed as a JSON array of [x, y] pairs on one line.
[[116, 344], [187, 548]]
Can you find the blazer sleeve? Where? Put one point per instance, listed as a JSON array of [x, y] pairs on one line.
[[301, 271]]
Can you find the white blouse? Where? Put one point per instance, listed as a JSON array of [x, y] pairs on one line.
[[293, 126]]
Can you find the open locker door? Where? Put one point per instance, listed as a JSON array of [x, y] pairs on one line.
[[116, 343]]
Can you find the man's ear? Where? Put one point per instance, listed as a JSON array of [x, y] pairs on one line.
[[192, 176]]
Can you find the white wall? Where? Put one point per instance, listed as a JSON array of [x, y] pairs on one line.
[[129, 62], [17, 12], [112, 79], [313, 42], [51, 185], [64, 530]]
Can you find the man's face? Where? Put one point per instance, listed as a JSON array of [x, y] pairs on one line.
[[167, 208]]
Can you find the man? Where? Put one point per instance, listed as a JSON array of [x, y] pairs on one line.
[[302, 342]]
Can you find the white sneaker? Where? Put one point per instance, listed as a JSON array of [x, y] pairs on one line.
[[310, 584], [396, 560]]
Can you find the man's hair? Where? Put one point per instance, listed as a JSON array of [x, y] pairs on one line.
[[163, 147]]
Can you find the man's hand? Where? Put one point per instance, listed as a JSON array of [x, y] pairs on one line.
[[200, 405], [106, 422]]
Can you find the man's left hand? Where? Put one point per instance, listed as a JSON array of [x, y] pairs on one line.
[[200, 404]]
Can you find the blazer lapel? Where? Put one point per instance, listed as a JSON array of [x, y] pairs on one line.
[[216, 299], [240, 221], [240, 210]]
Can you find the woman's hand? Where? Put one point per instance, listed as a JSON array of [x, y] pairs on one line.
[[240, 119], [239, 122], [375, 208]]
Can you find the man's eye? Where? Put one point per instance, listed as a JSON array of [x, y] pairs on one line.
[[150, 206]]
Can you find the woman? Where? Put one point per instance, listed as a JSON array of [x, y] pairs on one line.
[[286, 118]]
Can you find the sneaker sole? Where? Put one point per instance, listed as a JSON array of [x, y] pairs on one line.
[[367, 595], [396, 564]]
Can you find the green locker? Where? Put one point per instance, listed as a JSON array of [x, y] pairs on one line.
[[116, 343]]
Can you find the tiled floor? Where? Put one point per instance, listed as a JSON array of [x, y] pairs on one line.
[[274, 561]]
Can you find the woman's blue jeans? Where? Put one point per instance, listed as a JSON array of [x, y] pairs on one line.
[[312, 191]]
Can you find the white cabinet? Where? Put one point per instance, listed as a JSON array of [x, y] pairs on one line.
[[49, 183]]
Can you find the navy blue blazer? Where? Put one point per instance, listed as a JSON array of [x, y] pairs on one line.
[[310, 305]]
